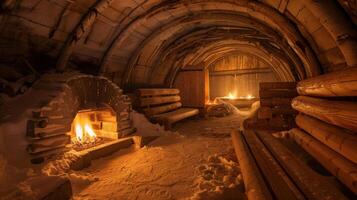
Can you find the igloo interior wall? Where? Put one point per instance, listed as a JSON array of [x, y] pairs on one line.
[[204, 99]]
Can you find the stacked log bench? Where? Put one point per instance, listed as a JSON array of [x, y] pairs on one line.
[[163, 106], [327, 123], [271, 171], [275, 112], [66, 94]]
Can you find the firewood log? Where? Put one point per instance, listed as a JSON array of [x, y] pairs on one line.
[[338, 139], [339, 113], [340, 83], [253, 181], [312, 184], [339, 166]]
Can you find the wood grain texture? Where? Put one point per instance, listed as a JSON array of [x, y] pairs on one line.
[[339, 166], [340, 83], [339, 113]]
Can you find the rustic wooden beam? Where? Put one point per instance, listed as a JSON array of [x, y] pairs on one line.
[[338, 25], [253, 181], [338, 139], [82, 27], [339, 113], [241, 72], [312, 184], [340, 83], [339, 166], [275, 176]]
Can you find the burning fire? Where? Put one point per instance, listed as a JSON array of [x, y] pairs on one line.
[[232, 96], [83, 131]]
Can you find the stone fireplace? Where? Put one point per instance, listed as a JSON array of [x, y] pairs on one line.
[[81, 112]]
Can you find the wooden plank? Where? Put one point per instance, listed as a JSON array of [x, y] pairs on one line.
[[157, 92], [161, 109], [151, 101], [313, 185], [339, 113], [338, 139], [255, 187], [340, 83], [275, 176], [277, 85], [339, 166]]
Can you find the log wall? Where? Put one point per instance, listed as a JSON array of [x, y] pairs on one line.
[[327, 123]]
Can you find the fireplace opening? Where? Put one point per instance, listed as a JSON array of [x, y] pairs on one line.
[[92, 127]]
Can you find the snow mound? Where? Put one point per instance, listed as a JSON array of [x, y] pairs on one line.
[[145, 127], [219, 178]]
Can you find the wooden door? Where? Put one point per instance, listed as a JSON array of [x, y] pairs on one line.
[[194, 87]]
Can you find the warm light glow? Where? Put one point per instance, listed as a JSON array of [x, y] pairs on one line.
[[79, 133], [83, 130], [250, 96], [231, 96], [90, 133]]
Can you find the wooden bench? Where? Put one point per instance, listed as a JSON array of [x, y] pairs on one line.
[[163, 106]]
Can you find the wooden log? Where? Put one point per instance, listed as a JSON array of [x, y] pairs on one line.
[[49, 130], [335, 84], [270, 102], [279, 182], [158, 100], [157, 92], [277, 85], [162, 109], [339, 113], [312, 184], [339, 166], [255, 187], [338, 139], [284, 93]]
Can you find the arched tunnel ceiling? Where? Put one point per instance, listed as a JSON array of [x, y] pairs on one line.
[[135, 41]]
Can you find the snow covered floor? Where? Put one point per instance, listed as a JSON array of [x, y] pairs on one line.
[[195, 162]]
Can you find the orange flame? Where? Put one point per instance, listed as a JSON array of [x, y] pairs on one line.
[[83, 130]]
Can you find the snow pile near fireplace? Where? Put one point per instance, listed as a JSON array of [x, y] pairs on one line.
[[145, 127]]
